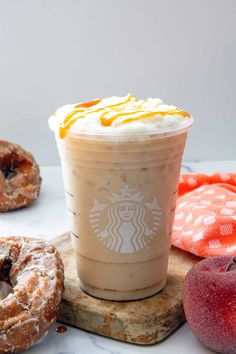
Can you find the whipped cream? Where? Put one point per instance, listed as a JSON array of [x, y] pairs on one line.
[[118, 116]]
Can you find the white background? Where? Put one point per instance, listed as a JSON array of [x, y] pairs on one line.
[[62, 51]]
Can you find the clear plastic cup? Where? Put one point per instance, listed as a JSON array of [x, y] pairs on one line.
[[121, 196]]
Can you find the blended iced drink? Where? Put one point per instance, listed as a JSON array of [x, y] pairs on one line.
[[121, 161]]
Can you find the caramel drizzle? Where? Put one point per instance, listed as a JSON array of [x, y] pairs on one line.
[[83, 109], [70, 119], [142, 114], [88, 104]]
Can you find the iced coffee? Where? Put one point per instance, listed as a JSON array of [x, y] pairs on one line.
[[121, 160]]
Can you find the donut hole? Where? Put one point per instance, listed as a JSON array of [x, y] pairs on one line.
[[5, 270], [5, 285], [8, 171], [12, 164]]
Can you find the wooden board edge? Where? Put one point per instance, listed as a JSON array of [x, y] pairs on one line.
[[81, 319]]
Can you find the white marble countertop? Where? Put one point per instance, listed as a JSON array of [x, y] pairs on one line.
[[47, 219]]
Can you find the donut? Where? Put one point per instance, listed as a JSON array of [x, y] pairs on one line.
[[19, 177], [34, 270]]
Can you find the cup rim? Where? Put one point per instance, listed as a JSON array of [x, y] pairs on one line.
[[162, 133]]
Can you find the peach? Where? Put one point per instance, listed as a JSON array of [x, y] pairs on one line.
[[209, 299]]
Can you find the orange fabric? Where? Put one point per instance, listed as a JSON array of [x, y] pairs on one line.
[[205, 218], [188, 182]]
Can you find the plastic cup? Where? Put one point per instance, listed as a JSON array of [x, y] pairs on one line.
[[121, 197]]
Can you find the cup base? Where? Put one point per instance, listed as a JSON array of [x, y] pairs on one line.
[[130, 295]]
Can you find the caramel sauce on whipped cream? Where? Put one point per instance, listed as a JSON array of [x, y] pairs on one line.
[[118, 114]]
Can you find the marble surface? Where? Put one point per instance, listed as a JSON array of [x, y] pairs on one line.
[[47, 219]]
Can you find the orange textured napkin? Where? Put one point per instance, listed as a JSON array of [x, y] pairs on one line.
[[205, 218]]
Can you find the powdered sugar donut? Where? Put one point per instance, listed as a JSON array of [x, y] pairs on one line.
[[35, 271], [19, 177]]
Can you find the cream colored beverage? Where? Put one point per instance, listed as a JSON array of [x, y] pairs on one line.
[[121, 161]]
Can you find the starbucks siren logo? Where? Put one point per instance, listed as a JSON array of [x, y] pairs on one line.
[[126, 229]]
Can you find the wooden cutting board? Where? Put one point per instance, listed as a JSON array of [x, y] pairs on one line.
[[144, 322]]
